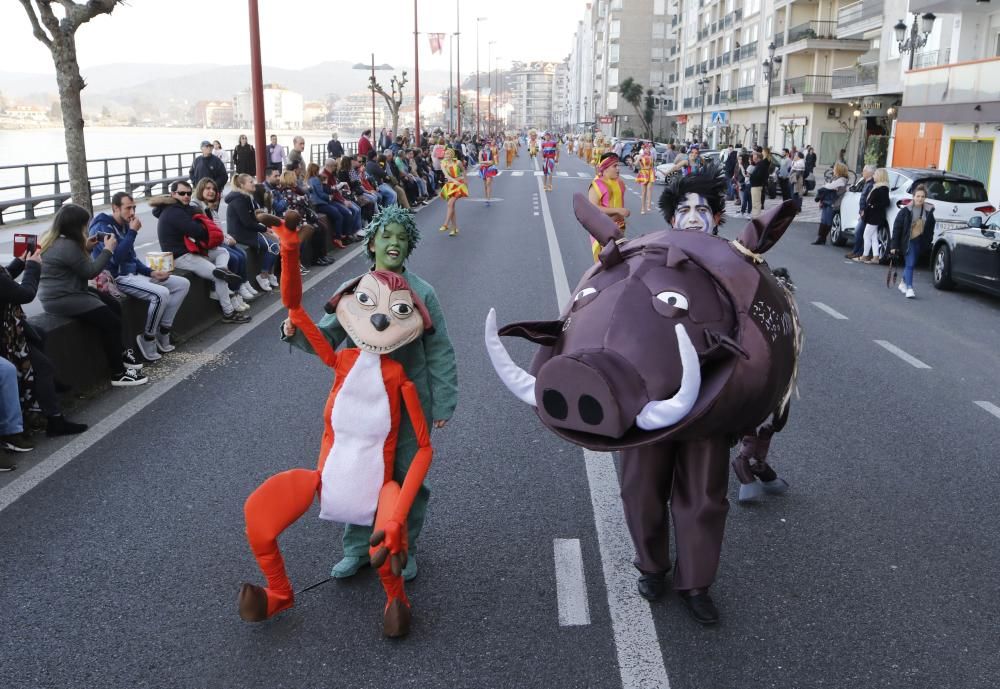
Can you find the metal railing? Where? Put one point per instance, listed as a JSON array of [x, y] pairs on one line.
[[859, 11], [812, 29], [744, 94], [808, 85], [745, 52], [859, 75], [27, 191], [930, 58], [318, 153]]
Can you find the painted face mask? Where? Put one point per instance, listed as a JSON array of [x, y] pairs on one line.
[[694, 213], [391, 246], [381, 314]]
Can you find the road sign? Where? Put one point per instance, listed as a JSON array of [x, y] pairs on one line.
[[720, 118], [682, 119], [607, 120]]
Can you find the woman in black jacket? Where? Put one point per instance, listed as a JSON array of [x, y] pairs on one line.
[[23, 346], [244, 157], [242, 224], [875, 215], [912, 232]]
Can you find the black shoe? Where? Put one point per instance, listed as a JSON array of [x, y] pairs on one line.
[[652, 586], [16, 442], [820, 241], [131, 360], [235, 317], [700, 606], [129, 378], [232, 279], [60, 425]]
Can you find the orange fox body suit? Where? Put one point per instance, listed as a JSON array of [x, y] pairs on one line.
[[285, 497]]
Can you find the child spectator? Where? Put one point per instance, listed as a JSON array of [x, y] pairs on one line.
[[66, 268]]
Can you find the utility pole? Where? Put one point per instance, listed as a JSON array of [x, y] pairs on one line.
[[458, 68], [257, 88], [416, 75]]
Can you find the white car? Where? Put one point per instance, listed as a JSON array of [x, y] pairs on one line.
[[661, 172], [956, 198]]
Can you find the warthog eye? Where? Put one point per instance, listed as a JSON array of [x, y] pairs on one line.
[[584, 297], [674, 299]]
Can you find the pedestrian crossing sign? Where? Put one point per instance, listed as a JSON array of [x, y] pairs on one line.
[[720, 118]]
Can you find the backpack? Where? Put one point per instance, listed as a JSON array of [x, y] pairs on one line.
[[215, 236]]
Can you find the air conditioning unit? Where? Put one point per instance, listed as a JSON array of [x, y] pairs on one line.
[[833, 113]]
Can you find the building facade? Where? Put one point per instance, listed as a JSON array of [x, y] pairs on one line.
[[283, 109], [532, 85], [950, 116]]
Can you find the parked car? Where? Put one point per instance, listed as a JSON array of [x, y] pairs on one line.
[[628, 151], [956, 199], [968, 255], [660, 172]]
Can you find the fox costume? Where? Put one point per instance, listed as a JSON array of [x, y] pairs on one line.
[[354, 475]]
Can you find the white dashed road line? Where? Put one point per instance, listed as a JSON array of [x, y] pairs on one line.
[[517, 173], [571, 584], [582, 174], [833, 312], [562, 173], [990, 408], [911, 360]]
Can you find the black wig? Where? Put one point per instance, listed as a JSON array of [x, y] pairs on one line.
[[709, 182]]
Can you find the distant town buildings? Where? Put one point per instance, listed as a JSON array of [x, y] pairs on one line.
[[283, 109], [214, 114], [354, 113], [26, 114], [314, 112], [532, 87]]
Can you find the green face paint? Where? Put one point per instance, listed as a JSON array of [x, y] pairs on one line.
[[391, 246]]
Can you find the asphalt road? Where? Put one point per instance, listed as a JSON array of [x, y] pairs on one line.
[[877, 569]]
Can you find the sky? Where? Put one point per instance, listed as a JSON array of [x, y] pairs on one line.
[[301, 33]]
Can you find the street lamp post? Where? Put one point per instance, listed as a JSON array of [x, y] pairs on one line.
[[770, 64], [489, 104], [371, 80], [916, 40], [661, 94], [702, 87], [478, 19]]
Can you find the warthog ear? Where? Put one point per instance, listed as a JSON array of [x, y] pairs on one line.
[[544, 333], [762, 233], [602, 228]]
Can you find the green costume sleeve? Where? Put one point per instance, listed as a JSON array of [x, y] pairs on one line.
[[442, 368]]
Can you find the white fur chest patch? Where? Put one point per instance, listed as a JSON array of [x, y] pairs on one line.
[[355, 467]]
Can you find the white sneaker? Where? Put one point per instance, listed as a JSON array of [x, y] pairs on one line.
[[213, 295], [239, 304], [909, 293], [245, 292], [147, 348], [163, 343], [902, 287], [264, 283], [250, 289], [273, 280]]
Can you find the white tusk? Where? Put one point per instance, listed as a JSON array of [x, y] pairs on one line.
[[517, 380], [662, 413]]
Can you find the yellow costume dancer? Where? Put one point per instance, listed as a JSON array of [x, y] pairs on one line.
[[607, 192], [646, 177], [598, 150], [569, 145], [510, 146], [532, 143], [454, 188]]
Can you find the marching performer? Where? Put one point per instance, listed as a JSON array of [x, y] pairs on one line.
[[532, 143], [510, 146], [607, 192], [455, 188], [646, 177], [550, 156], [488, 168]]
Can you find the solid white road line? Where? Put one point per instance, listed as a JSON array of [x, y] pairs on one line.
[[989, 407], [911, 360], [74, 448], [833, 312], [640, 660], [571, 584]]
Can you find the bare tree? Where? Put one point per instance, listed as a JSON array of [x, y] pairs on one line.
[[59, 36], [394, 99]]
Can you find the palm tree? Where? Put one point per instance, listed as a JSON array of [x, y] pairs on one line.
[[632, 92]]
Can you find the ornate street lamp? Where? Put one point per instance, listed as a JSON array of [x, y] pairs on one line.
[[702, 87], [917, 39], [770, 64]]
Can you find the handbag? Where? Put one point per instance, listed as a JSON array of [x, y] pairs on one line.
[[104, 283], [215, 236]]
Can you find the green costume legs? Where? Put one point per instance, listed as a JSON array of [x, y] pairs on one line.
[[356, 537]]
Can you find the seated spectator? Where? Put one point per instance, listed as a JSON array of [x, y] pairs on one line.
[[340, 218], [22, 348], [290, 197], [414, 192], [437, 155], [376, 174], [12, 437], [176, 222], [392, 178], [66, 268], [341, 193], [241, 223], [164, 292], [206, 197], [352, 185]]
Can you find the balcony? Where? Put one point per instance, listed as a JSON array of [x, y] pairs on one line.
[[726, 58], [797, 88], [687, 102], [930, 58], [854, 20], [689, 71], [859, 80], [745, 52], [671, 79], [962, 93], [745, 94], [817, 35]]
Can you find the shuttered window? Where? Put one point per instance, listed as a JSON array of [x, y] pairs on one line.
[[972, 158]]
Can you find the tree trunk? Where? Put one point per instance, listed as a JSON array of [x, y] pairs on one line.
[[70, 84]]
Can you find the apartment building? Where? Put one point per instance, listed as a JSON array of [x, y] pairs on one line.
[[282, 108], [560, 96], [532, 85], [950, 116]]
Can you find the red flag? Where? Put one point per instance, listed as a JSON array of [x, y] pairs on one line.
[[436, 40]]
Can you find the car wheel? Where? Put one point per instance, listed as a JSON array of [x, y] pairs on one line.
[[882, 238], [942, 268], [837, 237]]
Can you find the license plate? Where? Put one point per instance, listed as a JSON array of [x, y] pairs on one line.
[[949, 225]]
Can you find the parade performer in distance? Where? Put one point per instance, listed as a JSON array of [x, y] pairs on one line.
[[697, 202], [646, 177], [455, 188], [488, 169], [355, 476], [673, 344], [510, 145], [569, 144], [586, 147], [532, 143], [598, 151], [607, 192], [428, 361], [550, 157]]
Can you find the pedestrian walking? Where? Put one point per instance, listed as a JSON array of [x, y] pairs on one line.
[[244, 157], [912, 232]]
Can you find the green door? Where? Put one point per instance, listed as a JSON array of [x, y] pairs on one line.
[[972, 158]]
